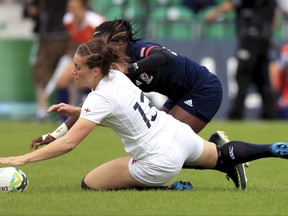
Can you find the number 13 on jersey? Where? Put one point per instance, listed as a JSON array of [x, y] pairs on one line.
[[147, 118]]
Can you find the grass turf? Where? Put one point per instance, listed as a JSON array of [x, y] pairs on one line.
[[54, 187]]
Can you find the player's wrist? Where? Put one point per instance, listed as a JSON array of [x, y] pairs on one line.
[[59, 132], [44, 136]]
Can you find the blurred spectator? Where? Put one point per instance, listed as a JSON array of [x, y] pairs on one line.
[[279, 78], [254, 28], [80, 23], [283, 6], [52, 44]]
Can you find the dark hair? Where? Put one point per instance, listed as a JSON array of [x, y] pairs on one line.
[[117, 30], [98, 54]]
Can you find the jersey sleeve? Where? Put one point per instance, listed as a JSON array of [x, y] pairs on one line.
[[68, 19], [142, 49], [95, 108]]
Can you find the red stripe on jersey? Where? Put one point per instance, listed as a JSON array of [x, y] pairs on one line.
[[148, 50]]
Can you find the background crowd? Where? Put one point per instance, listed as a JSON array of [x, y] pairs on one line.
[[260, 31]]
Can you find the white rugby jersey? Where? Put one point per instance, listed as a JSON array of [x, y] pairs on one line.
[[118, 104]]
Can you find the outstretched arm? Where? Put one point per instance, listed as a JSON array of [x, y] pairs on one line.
[[57, 148]]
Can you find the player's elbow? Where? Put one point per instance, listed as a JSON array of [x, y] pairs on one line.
[[169, 56], [69, 144]]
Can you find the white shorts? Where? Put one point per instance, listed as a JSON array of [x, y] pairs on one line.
[[159, 169]]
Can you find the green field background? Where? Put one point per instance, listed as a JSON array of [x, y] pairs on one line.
[[54, 187]]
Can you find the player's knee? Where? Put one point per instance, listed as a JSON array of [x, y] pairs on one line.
[[84, 186]]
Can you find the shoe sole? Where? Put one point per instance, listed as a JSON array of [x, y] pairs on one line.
[[222, 136], [242, 175]]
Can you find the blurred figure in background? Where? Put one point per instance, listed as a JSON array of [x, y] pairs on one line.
[[283, 6], [254, 28], [52, 44], [279, 78], [80, 23]]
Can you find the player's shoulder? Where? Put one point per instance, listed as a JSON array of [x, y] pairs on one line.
[[119, 76], [113, 78]]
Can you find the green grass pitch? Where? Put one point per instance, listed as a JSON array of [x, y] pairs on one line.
[[54, 187]]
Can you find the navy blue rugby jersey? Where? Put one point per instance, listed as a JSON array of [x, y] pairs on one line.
[[173, 80]]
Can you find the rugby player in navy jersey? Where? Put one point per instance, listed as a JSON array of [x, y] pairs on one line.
[[194, 93]]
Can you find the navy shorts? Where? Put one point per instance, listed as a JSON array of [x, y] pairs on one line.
[[202, 102]]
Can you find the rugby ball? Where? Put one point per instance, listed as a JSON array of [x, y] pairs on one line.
[[12, 179]]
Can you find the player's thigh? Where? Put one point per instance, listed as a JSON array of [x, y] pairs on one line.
[[184, 116], [111, 175]]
